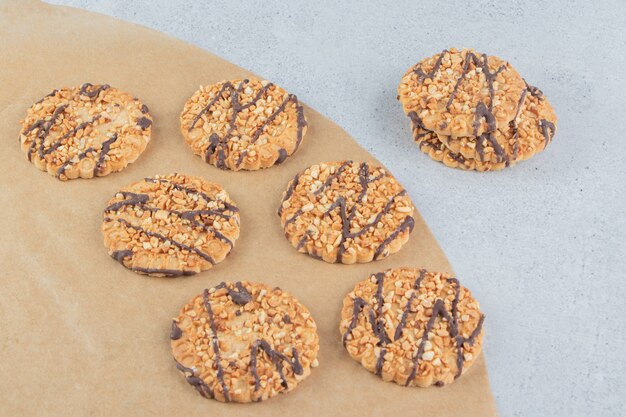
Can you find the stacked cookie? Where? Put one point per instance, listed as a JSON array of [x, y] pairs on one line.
[[475, 112]]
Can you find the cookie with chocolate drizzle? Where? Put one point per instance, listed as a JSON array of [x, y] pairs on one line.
[[85, 132], [244, 342], [461, 93], [244, 124], [170, 225], [346, 212], [412, 326], [512, 121]]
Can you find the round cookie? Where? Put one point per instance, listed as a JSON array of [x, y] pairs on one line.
[[461, 93], [244, 342], [413, 327], [528, 133], [85, 132], [243, 124], [346, 212], [170, 225]]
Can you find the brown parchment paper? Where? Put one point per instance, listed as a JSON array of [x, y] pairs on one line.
[[80, 334]]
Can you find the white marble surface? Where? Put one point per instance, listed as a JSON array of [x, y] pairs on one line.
[[540, 244]]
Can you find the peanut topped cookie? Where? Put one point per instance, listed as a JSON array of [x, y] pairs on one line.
[[243, 124], [244, 342], [346, 212], [413, 327], [170, 225], [461, 93], [85, 132]]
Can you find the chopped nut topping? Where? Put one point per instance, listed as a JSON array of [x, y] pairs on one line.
[[346, 212], [243, 124], [244, 342], [85, 131], [170, 225], [405, 325]]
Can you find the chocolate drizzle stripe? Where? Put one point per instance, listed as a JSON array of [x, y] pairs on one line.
[[289, 193], [513, 123], [130, 199], [191, 190], [458, 82], [490, 138], [429, 145], [216, 346], [164, 272], [53, 147], [44, 130], [121, 255], [332, 177], [277, 359], [293, 218], [175, 331], [69, 163], [377, 321], [548, 129], [408, 223], [483, 112], [45, 126], [159, 236], [357, 306], [273, 116], [210, 103], [418, 125], [104, 150], [212, 212], [84, 90], [241, 296], [242, 155], [457, 157], [196, 382], [302, 123], [303, 239], [69, 134], [407, 308], [380, 361], [421, 75], [53, 93], [534, 91], [282, 155], [144, 123]]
